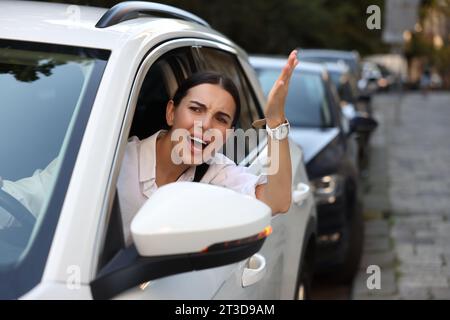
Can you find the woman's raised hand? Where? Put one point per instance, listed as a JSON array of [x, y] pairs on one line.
[[274, 111]]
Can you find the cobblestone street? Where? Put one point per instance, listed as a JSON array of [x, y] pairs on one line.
[[407, 199]]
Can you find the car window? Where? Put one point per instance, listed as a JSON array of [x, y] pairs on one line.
[[306, 103], [335, 96], [158, 87], [227, 64], [45, 91], [343, 85], [353, 86], [336, 111]]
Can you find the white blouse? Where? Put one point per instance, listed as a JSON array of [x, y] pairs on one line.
[[136, 182]]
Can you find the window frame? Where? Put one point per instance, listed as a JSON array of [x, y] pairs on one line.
[[152, 55], [249, 100], [333, 104]]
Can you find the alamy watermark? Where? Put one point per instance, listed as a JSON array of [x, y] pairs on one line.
[[373, 22], [374, 280], [73, 15], [73, 281], [201, 146]]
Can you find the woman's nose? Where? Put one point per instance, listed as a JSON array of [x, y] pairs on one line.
[[206, 122]]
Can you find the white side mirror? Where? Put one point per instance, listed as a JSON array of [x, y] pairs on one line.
[[189, 217]]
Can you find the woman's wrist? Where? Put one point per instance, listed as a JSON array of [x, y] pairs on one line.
[[274, 122]]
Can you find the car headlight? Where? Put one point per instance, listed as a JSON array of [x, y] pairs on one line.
[[327, 188]]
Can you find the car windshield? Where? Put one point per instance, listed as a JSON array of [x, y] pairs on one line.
[[306, 103], [44, 89]]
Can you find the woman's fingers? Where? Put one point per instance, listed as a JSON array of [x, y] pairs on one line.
[[289, 67], [293, 61], [279, 90], [284, 73]]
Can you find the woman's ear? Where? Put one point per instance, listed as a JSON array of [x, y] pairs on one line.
[[170, 112]]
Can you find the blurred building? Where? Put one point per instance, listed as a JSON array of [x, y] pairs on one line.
[[400, 16], [435, 28], [422, 29], [436, 24]]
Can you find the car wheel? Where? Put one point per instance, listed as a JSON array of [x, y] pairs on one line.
[[303, 291], [304, 281], [347, 270]]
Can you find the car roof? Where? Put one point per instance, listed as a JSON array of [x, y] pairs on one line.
[[337, 67], [75, 25], [328, 53], [279, 62]]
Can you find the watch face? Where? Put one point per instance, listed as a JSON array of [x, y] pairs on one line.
[[280, 132], [283, 132]]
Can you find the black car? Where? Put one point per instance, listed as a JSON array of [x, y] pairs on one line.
[[350, 58], [353, 106], [330, 153]]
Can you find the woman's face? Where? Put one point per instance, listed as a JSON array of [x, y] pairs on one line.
[[203, 119]]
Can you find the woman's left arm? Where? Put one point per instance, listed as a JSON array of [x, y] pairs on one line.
[[277, 193]]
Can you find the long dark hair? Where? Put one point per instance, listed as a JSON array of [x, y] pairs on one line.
[[212, 78]]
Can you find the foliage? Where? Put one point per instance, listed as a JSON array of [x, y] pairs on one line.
[[277, 26]]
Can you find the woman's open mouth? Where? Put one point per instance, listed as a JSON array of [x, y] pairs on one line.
[[197, 144]]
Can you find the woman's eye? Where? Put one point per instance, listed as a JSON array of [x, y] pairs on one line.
[[224, 121], [195, 109]]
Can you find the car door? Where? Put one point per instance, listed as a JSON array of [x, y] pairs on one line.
[[272, 273], [157, 78], [164, 69]]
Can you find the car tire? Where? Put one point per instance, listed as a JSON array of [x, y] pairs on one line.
[[303, 287], [355, 240]]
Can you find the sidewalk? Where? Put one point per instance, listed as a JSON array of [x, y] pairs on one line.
[[407, 200]]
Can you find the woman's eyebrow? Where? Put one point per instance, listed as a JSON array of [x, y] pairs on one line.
[[198, 103], [204, 106], [224, 114]]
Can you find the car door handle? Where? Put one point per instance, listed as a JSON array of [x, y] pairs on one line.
[[254, 271], [300, 193]]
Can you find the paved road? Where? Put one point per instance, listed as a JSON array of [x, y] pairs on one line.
[[407, 203], [408, 200]]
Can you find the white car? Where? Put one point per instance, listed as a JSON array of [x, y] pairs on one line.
[[75, 83]]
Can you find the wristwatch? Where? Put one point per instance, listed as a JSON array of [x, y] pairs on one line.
[[279, 133]]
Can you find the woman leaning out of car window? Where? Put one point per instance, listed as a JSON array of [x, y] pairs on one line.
[[204, 103]]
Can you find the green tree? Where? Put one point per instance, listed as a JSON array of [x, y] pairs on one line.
[[277, 26]]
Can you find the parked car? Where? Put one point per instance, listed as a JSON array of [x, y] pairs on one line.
[[350, 58], [74, 91], [328, 142], [369, 77], [353, 108], [388, 79], [376, 77]]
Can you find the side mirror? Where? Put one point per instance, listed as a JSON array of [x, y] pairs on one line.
[[362, 123], [186, 226]]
